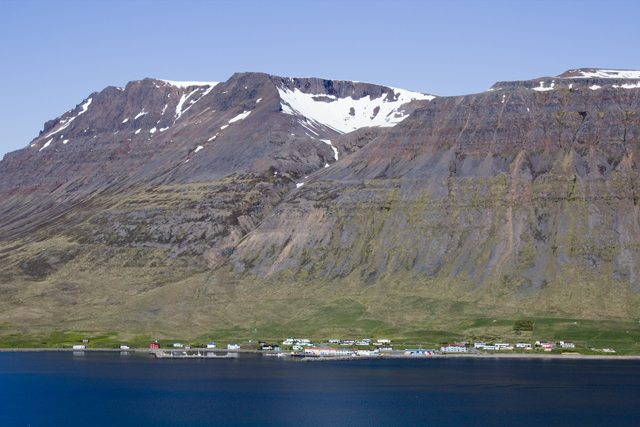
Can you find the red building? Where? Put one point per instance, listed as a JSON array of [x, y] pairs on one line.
[[154, 345]]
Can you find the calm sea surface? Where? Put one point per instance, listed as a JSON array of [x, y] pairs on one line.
[[105, 389]]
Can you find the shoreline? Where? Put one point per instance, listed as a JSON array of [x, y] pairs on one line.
[[339, 358]]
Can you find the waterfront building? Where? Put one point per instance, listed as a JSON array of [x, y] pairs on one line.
[[453, 348], [317, 351], [418, 352]]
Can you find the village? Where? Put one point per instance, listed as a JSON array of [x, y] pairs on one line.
[[352, 348]]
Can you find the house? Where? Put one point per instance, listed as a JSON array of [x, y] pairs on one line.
[[608, 350], [211, 345], [452, 348], [362, 343], [384, 341], [498, 346], [489, 347], [567, 344], [334, 341], [154, 345], [298, 347], [367, 340], [124, 347], [78, 347], [277, 348], [523, 345], [387, 348], [267, 347], [233, 346], [366, 352], [317, 351], [85, 341], [177, 344], [479, 345]]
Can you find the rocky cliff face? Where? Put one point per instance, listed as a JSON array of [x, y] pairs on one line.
[[219, 204]]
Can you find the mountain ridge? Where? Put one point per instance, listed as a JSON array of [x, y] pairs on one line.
[[520, 201]]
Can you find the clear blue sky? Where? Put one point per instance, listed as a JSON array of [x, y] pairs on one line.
[[55, 53]]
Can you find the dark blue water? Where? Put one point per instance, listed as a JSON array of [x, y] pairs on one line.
[[59, 389]]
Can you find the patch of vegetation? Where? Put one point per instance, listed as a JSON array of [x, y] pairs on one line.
[[523, 325]]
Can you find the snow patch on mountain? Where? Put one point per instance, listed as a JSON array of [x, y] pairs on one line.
[[608, 74], [188, 84], [85, 106], [183, 99], [335, 150], [347, 114], [46, 145], [240, 116], [541, 88]]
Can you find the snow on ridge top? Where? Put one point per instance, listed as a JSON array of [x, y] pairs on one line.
[[347, 114], [188, 84], [608, 74]]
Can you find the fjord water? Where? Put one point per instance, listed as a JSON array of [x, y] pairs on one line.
[[104, 389]]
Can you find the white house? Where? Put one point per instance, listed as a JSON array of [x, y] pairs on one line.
[[452, 348], [211, 345], [233, 346], [366, 352], [334, 341], [78, 347], [567, 344], [317, 351], [479, 345], [523, 345], [124, 347], [384, 341], [177, 344]]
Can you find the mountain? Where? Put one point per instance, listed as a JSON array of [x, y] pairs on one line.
[[277, 204]]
